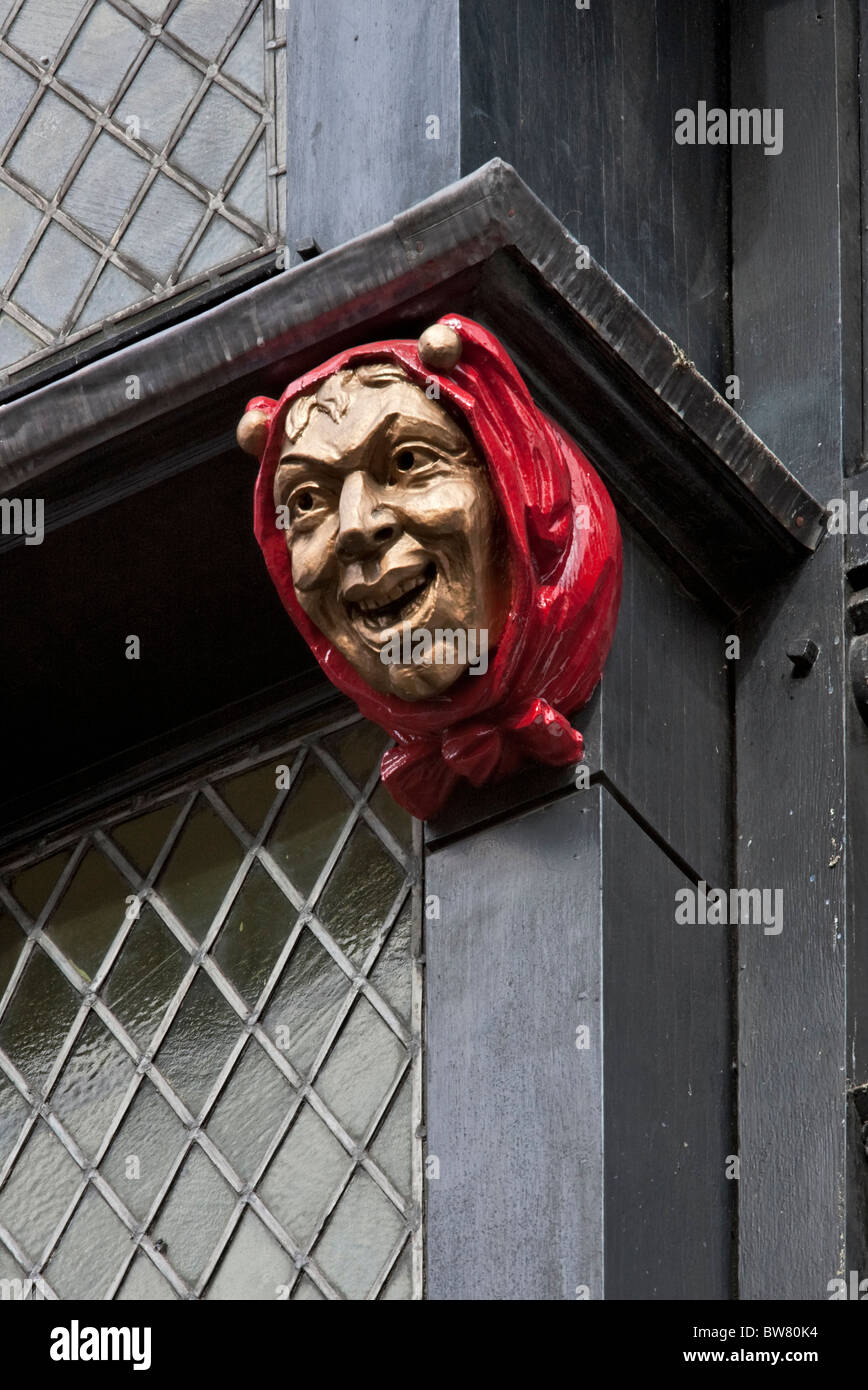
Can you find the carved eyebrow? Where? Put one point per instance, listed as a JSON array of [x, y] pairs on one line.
[[292, 470], [427, 432], [311, 464]]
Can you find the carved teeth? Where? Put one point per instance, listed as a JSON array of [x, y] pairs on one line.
[[404, 587]]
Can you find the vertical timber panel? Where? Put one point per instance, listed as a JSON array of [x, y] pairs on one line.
[[668, 1048], [594, 140], [514, 1107], [793, 320], [665, 713], [857, 940], [363, 80], [861, 453], [857, 786]]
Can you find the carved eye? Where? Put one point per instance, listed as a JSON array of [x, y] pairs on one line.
[[303, 501], [405, 460]]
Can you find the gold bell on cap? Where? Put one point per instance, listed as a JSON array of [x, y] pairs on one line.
[[440, 347], [252, 431]]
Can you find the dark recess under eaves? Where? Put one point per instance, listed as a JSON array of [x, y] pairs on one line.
[[176, 565]]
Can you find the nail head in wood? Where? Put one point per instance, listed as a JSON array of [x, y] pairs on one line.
[[802, 653]]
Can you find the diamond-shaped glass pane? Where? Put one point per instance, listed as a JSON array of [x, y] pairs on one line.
[[145, 1283], [11, 1269], [91, 1086], [392, 975], [40, 1188], [254, 1104], [142, 838], [35, 1023], [90, 1252], [359, 894], [305, 1176], [305, 1002], [152, 8], [245, 61], [199, 870], [55, 276], [161, 228], [15, 341], [254, 934], [393, 1147], [13, 1112], [198, 1042], [249, 190], [215, 138], [358, 749], [315, 813], [100, 54], [41, 26], [254, 1266], [221, 244], [12, 941], [393, 817], [16, 89], [143, 980], [193, 1216], [361, 1070], [399, 1286], [250, 795], [33, 886], [89, 914], [103, 188], [113, 292], [147, 1143], [19, 220], [159, 94], [204, 26], [52, 138], [359, 1239]]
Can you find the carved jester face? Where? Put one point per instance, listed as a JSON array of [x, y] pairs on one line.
[[391, 529]]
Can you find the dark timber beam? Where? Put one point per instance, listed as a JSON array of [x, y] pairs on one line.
[[796, 341]]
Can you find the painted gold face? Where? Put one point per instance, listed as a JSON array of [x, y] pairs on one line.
[[392, 531]]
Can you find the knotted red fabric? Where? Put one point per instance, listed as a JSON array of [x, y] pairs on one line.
[[564, 551]]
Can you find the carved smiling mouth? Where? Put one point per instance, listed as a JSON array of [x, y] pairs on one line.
[[401, 602]]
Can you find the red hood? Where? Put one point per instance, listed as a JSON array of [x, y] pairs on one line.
[[565, 563]]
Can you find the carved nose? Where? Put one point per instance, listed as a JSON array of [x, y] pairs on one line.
[[365, 525]]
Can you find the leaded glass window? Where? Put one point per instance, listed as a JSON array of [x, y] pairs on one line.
[[142, 155], [210, 1075]]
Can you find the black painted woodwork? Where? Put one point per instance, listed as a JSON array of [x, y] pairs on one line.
[[796, 350]]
